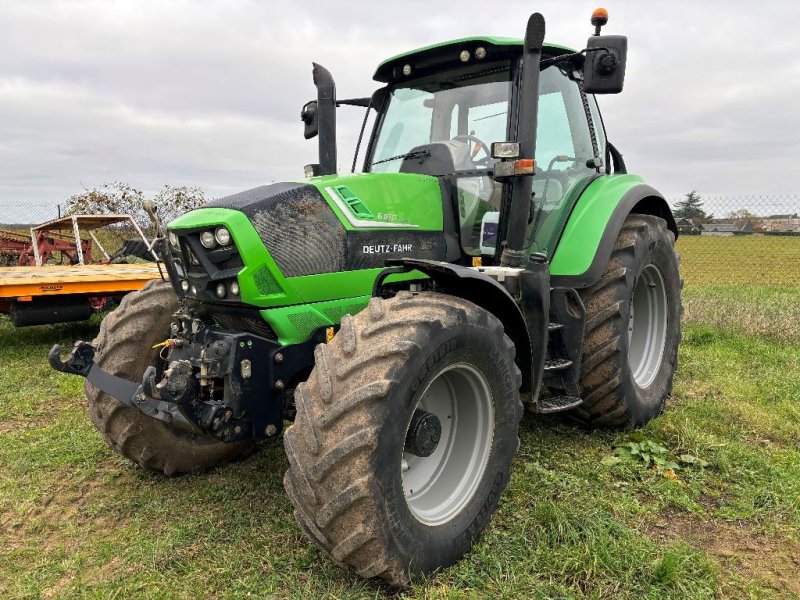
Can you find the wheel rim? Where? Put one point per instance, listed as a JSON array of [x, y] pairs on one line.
[[647, 326], [437, 487]]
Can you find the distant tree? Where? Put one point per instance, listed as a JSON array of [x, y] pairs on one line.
[[691, 207], [119, 197], [171, 202], [743, 213]]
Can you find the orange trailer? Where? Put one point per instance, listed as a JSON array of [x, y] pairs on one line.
[[57, 293]]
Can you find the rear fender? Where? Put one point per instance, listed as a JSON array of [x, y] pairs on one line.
[[582, 253]]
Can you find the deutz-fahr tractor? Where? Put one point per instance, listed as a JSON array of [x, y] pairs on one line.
[[494, 252]]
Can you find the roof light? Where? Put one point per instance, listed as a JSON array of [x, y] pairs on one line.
[[480, 53], [464, 56], [406, 70]]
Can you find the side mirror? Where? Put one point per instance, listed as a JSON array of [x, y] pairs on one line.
[[310, 118], [604, 67]]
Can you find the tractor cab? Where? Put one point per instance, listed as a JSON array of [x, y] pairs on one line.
[[449, 110], [445, 122]]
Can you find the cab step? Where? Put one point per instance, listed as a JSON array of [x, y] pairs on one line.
[[556, 404]]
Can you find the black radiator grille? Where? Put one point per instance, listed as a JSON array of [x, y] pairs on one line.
[[249, 321]]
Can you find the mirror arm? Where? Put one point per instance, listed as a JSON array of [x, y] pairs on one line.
[[557, 59]]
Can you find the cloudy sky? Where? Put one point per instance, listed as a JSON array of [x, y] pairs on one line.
[[208, 93]]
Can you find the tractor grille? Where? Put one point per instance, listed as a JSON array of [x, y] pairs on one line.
[[243, 320], [265, 282], [307, 321], [336, 313], [303, 235]]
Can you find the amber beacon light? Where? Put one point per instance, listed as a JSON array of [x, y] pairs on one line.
[[599, 18]]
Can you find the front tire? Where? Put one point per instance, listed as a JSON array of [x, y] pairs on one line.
[[352, 469], [124, 348], [630, 350]]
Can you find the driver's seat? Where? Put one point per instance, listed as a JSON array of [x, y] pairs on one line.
[[445, 158]]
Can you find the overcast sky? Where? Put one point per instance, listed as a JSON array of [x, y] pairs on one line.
[[209, 93]]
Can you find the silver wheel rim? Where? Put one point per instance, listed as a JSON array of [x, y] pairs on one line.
[[438, 487], [647, 326]]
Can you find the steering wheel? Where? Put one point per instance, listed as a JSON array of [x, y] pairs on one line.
[[477, 147]]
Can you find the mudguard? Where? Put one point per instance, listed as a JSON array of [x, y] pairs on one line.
[[584, 248], [525, 323]]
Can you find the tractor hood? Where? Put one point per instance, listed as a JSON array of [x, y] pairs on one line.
[[312, 240], [372, 201]]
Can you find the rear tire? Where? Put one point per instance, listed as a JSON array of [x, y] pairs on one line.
[[630, 351], [347, 447], [124, 349]]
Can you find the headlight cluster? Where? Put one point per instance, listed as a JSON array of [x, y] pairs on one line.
[[210, 239], [224, 288], [213, 262]]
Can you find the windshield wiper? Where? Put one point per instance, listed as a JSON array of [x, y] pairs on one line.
[[409, 155], [492, 116]]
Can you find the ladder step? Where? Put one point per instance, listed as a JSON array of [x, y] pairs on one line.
[[554, 326], [556, 364], [556, 404]]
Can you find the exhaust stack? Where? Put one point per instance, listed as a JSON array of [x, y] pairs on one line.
[[326, 119]]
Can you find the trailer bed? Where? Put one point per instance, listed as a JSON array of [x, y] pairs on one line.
[[58, 280]]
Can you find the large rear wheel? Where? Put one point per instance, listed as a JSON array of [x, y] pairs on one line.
[[630, 351], [124, 348], [404, 435]]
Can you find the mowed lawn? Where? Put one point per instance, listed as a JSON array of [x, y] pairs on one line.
[[581, 518]]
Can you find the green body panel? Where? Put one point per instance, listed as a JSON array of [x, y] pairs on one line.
[[294, 324], [306, 302], [391, 198], [496, 41], [587, 223], [296, 306]]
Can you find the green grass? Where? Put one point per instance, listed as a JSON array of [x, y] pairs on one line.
[[78, 520]]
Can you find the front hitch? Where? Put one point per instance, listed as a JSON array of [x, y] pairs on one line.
[[81, 362]]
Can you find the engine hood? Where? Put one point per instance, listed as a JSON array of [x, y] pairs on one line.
[[379, 201]]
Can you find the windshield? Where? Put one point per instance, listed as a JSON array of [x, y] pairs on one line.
[[467, 106]]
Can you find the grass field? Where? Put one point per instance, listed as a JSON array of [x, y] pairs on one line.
[[580, 518], [750, 260]]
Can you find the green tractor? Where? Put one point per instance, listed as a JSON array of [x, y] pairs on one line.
[[493, 253]]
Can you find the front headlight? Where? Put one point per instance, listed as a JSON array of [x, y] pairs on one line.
[[173, 239], [208, 240], [223, 236]]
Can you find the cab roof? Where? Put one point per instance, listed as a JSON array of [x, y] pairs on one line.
[[442, 55]]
